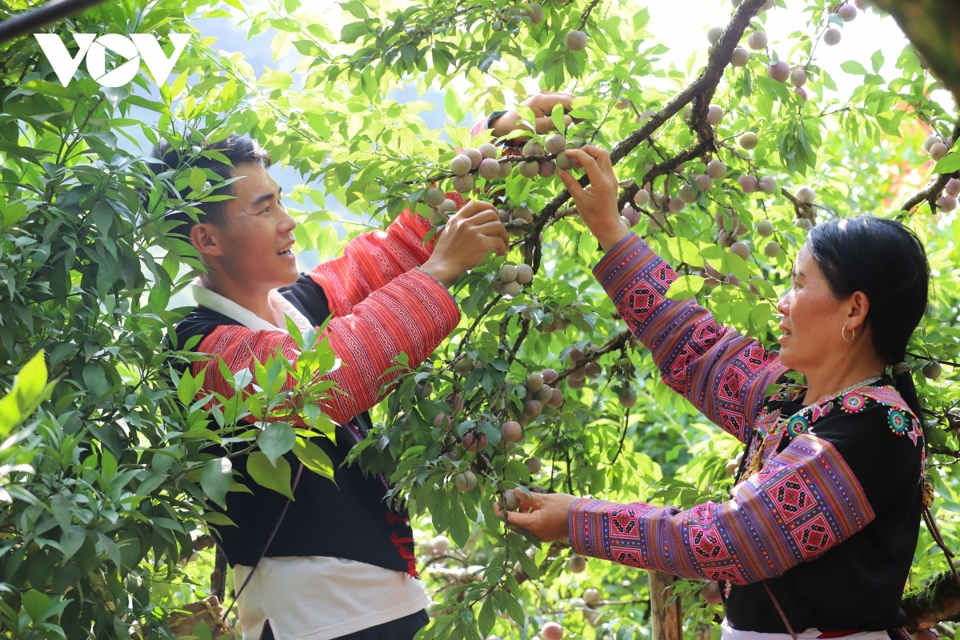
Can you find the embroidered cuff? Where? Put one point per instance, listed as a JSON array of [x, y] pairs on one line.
[[585, 534], [437, 280]]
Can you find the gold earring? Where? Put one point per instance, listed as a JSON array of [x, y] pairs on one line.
[[843, 334]]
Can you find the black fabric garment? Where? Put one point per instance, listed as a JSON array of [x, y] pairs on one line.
[[857, 585], [404, 628], [348, 520]]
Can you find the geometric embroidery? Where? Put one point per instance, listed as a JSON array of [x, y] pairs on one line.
[[643, 300], [731, 382], [797, 425], [629, 557], [791, 497], [730, 573], [814, 536], [707, 545], [623, 523], [754, 356]]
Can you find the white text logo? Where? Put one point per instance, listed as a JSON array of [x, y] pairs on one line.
[[95, 49]]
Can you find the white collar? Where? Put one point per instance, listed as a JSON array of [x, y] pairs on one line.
[[221, 304]]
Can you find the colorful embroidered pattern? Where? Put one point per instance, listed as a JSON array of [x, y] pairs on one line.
[[412, 315], [852, 402], [724, 374], [797, 425], [805, 501]]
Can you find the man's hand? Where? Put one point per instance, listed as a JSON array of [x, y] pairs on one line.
[[469, 236], [542, 105], [597, 204], [542, 514]]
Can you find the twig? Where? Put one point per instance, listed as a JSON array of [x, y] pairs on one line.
[[933, 188], [586, 14]]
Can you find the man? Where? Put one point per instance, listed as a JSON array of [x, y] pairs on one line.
[[341, 563]]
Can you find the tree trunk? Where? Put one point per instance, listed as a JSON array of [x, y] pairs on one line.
[[666, 618], [939, 601], [933, 27]]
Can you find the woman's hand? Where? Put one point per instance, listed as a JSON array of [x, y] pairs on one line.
[[597, 204], [542, 105], [542, 514]]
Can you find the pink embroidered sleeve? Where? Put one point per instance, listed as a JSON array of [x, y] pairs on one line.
[[373, 259], [411, 315], [805, 501], [725, 375]]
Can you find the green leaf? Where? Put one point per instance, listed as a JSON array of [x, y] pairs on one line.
[[276, 439], [35, 604], [313, 458], [556, 115], [685, 287], [215, 479], [948, 163], [110, 548], [451, 104], [72, 540], [853, 67], [267, 475], [459, 526], [197, 179], [487, 617], [62, 511]]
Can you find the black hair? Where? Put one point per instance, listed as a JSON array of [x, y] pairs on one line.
[[887, 262], [235, 148]]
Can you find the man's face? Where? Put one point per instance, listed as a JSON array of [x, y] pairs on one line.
[[255, 245]]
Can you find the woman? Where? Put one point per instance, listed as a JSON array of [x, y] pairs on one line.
[[824, 520]]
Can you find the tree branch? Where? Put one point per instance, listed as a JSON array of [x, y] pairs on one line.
[[702, 89]]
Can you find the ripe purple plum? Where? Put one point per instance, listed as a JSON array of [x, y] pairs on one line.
[[524, 273], [947, 203], [461, 165], [489, 169], [741, 249], [476, 157], [748, 183], [472, 441], [740, 57], [466, 481], [767, 185], [831, 37], [806, 195], [714, 114], [576, 40], [847, 12], [757, 40], [555, 143], [938, 150], [511, 431], [780, 71], [716, 168], [798, 77]]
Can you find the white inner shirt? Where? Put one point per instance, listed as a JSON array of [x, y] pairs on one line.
[[312, 597]]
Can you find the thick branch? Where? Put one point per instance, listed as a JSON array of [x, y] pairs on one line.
[[702, 89], [937, 602]]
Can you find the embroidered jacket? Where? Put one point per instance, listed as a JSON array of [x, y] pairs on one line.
[[832, 519], [381, 306]]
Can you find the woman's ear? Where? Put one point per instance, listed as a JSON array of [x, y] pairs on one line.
[[859, 308]]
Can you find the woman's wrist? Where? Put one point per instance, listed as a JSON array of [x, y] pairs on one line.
[[609, 238]]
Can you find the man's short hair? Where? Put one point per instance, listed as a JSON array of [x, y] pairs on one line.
[[235, 148]]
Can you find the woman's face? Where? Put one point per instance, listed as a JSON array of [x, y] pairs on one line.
[[812, 317]]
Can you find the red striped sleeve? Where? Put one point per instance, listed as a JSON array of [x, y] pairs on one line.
[[373, 259], [411, 315], [805, 501], [724, 374]]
